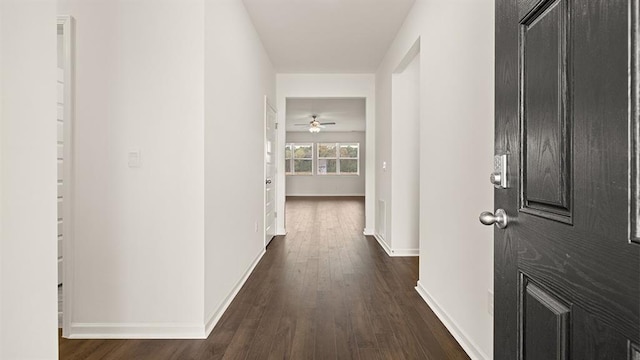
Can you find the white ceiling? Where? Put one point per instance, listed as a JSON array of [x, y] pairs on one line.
[[348, 114], [325, 36]]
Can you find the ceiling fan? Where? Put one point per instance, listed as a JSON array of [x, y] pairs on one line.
[[315, 125]]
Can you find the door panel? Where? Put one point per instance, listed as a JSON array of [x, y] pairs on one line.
[[567, 270], [545, 132], [547, 337], [634, 352]]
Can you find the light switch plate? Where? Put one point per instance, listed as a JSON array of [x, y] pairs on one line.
[[133, 158]]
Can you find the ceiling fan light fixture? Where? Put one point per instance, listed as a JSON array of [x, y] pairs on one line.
[[314, 129]]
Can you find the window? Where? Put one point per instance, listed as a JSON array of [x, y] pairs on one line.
[[298, 159], [338, 159], [327, 159]]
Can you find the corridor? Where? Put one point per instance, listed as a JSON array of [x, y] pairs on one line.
[[324, 291]]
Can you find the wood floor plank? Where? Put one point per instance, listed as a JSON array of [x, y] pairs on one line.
[[346, 346], [323, 291], [325, 336]]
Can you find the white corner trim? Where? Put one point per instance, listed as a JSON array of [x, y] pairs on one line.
[[395, 252], [215, 316], [136, 331], [463, 339], [368, 232]]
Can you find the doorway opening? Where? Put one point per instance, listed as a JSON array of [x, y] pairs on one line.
[[398, 203], [325, 149]]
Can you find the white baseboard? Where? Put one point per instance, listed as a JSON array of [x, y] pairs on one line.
[[395, 252], [368, 232], [215, 316], [322, 195], [463, 339], [405, 252], [136, 331], [382, 243]]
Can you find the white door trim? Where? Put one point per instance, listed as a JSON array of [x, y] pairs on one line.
[[268, 106], [68, 25]]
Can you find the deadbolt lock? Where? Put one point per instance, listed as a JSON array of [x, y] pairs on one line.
[[495, 179], [499, 175]]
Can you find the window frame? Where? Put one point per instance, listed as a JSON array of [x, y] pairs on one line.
[[292, 159], [337, 158]]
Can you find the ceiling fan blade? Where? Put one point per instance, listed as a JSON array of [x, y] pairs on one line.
[[300, 124], [327, 123]]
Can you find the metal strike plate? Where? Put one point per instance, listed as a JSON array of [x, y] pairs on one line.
[[499, 177]]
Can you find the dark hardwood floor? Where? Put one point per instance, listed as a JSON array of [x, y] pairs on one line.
[[324, 291]]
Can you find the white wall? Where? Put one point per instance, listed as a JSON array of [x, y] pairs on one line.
[[28, 266], [329, 86], [328, 185], [238, 74], [456, 139], [139, 232], [2, 151], [184, 82]]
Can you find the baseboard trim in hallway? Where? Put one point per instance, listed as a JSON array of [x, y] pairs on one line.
[[136, 331], [383, 244], [469, 346], [395, 252], [214, 317]]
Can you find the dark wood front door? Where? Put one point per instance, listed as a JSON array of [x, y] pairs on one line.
[[567, 266]]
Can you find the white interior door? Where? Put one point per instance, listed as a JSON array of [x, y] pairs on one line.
[[60, 123], [270, 146]]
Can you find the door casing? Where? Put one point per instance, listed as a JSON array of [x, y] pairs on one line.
[[267, 108], [68, 27]]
